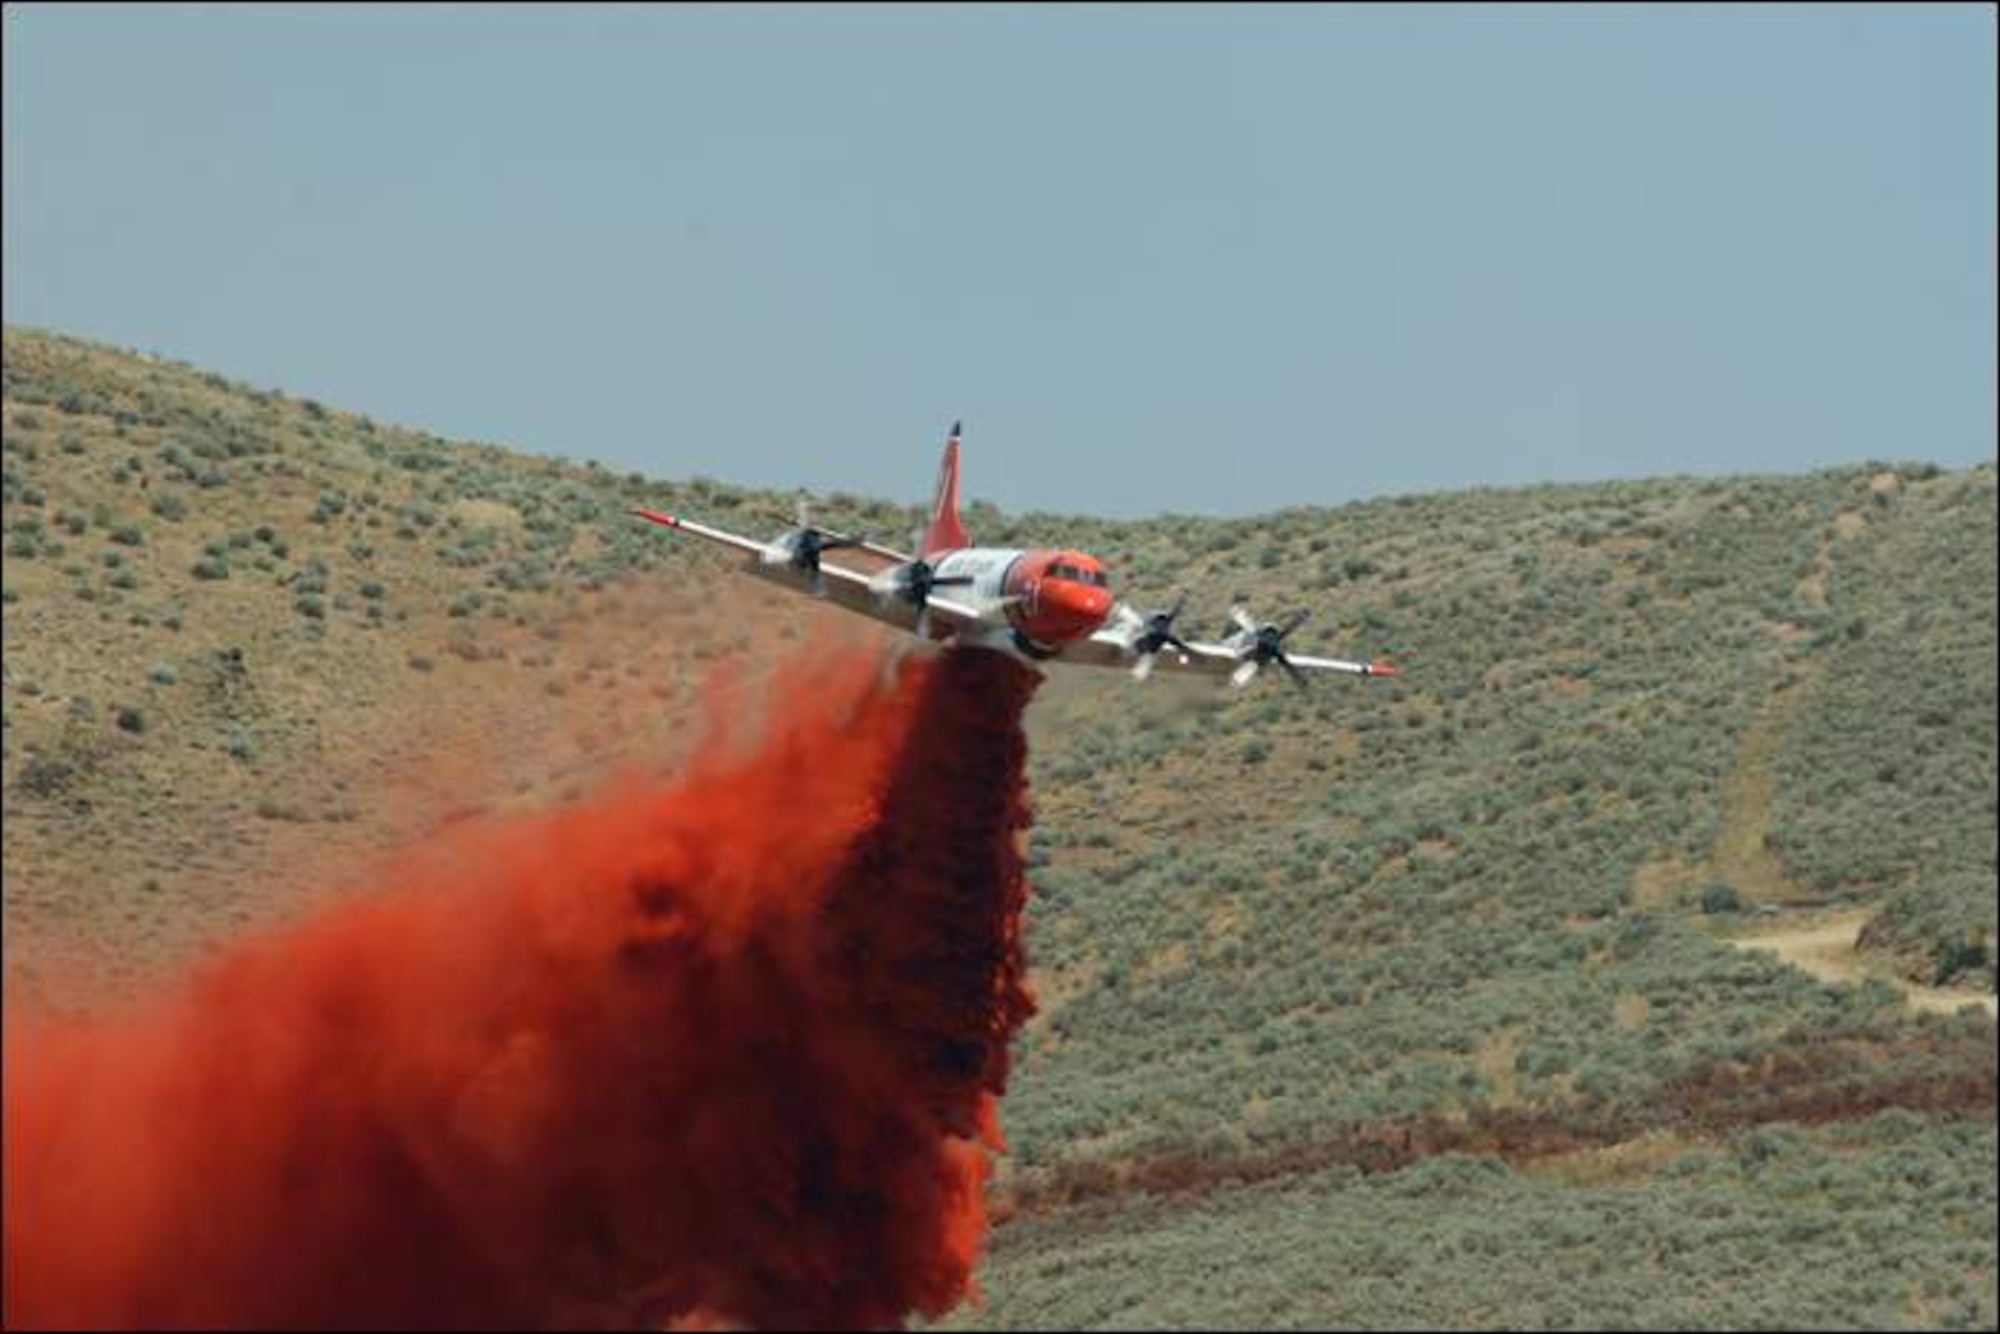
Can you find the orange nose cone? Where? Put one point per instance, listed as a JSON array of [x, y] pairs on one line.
[[1071, 610]]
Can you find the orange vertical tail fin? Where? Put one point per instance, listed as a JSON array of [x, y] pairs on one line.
[[944, 532]]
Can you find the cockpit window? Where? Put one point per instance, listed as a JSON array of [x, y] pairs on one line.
[[1077, 574]]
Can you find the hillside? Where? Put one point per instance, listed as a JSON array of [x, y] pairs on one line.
[[1383, 1002]]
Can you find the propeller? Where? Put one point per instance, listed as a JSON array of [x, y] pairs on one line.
[[1152, 633], [1257, 644], [914, 582], [805, 544]]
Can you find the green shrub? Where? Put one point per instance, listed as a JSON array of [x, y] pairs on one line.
[[1954, 958], [1720, 898]]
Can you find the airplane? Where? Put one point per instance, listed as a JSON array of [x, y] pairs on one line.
[[1049, 604]]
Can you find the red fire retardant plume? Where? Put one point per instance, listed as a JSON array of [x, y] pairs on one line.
[[727, 1052]]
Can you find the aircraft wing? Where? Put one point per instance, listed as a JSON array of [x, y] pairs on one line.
[[849, 588], [1306, 664], [702, 530], [889, 554], [1111, 647]]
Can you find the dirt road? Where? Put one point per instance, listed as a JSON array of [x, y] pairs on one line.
[[1824, 945]]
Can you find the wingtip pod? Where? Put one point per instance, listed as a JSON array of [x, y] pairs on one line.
[[654, 516]]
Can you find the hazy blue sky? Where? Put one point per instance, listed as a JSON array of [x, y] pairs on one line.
[[1218, 259]]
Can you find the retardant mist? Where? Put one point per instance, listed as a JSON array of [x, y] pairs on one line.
[[725, 1051]]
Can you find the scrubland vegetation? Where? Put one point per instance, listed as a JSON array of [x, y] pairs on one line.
[[1872, 1225], [1386, 1002]]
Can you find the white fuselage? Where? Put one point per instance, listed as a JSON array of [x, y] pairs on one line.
[[986, 566]]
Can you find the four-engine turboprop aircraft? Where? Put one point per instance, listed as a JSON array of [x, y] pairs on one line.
[[1048, 604]]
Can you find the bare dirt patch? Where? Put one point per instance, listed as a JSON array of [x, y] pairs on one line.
[[485, 514], [1615, 1164], [1826, 945], [1662, 884]]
